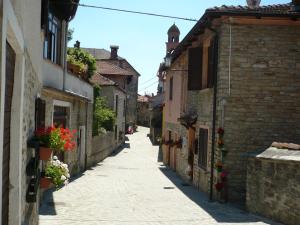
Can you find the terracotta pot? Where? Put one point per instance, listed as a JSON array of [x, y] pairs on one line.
[[45, 182], [45, 153]]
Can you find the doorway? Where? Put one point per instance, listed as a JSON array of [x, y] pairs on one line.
[[9, 84]]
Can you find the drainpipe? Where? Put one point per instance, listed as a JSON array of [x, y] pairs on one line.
[[65, 55], [216, 49]]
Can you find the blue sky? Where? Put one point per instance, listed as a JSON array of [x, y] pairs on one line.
[[141, 38]]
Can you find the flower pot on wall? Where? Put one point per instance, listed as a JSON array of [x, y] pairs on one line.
[[45, 182], [45, 153]]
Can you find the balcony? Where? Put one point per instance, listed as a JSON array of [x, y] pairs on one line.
[[53, 78]]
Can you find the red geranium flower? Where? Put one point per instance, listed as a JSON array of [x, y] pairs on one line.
[[219, 186], [220, 131]]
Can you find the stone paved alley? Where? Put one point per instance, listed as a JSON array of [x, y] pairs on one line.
[[132, 188]]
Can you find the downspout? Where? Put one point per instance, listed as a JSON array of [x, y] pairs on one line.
[[65, 55], [229, 59], [216, 49]]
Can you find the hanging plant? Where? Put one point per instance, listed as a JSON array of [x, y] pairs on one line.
[[221, 131], [219, 186], [219, 166]]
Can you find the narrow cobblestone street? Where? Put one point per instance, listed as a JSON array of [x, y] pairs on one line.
[[132, 188]]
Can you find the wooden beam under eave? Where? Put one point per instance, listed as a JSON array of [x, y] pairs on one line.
[[275, 21]]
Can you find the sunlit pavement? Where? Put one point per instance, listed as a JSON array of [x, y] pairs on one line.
[[132, 188]]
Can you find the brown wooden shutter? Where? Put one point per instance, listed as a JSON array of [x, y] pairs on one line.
[[212, 65], [203, 139], [195, 68], [40, 113]]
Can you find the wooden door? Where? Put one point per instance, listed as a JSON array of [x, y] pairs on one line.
[[9, 84]]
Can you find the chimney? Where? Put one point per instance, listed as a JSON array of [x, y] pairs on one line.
[[253, 3], [296, 5], [114, 51], [77, 44]]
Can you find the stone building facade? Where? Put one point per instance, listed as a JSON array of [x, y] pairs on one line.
[[21, 83], [25, 79], [243, 85], [115, 98], [273, 186], [119, 70], [143, 111]]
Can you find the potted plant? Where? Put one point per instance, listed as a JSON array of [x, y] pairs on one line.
[[56, 172], [51, 138], [219, 186], [219, 166], [223, 176]]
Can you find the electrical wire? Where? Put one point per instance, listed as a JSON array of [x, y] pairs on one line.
[[145, 82], [131, 11], [145, 88]]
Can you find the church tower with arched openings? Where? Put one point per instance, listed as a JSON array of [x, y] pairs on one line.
[[173, 38]]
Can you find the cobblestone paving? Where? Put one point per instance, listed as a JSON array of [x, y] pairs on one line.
[[132, 188]]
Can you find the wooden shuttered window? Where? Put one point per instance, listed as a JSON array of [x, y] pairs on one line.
[[40, 113], [195, 68], [171, 89], [212, 65], [202, 152]]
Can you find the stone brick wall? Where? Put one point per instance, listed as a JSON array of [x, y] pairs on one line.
[[201, 102], [273, 185], [32, 87], [109, 93], [181, 154], [102, 146], [143, 114], [120, 119], [263, 103]]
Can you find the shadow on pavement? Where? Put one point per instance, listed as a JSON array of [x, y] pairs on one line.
[[225, 213], [48, 204], [120, 149], [160, 155]]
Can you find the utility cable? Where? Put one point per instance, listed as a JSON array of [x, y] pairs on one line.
[[145, 82], [130, 11], [145, 88]]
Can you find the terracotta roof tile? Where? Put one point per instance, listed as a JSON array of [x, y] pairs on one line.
[[143, 98], [280, 9], [99, 54], [108, 68], [101, 80]]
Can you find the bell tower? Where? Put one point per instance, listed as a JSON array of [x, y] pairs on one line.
[[173, 38]]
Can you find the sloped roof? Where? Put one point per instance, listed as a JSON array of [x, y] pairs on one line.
[[99, 54], [108, 68], [104, 81], [143, 98], [279, 10], [173, 29], [101, 80]]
